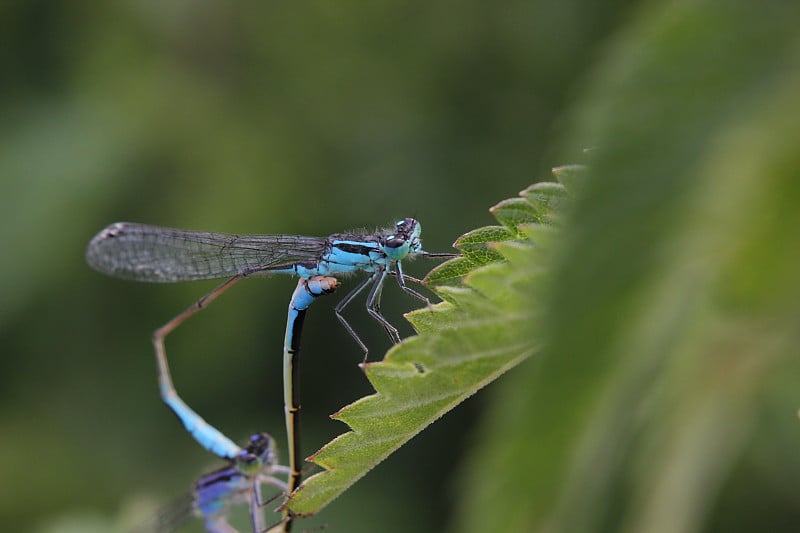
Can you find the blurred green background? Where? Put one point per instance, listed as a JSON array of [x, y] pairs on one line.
[[321, 117], [306, 119]]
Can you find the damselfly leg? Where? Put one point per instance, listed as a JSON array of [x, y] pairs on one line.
[[373, 302]]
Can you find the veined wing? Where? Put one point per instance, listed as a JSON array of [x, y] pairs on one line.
[[141, 252]]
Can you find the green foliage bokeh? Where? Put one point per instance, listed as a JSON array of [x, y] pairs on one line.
[[307, 119]]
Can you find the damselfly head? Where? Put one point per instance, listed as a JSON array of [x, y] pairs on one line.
[[405, 239], [258, 454]]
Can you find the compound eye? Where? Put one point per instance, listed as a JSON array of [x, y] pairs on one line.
[[247, 459], [395, 241]]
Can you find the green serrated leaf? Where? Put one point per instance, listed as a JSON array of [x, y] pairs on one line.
[[514, 212], [475, 335], [474, 245], [572, 177], [450, 272], [476, 250], [547, 199]]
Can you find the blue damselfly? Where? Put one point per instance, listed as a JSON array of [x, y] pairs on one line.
[[147, 253]]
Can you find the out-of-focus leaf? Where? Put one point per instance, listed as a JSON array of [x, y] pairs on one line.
[[672, 320]]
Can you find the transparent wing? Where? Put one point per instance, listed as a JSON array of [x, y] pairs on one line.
[[169, 517], [141, 252]]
